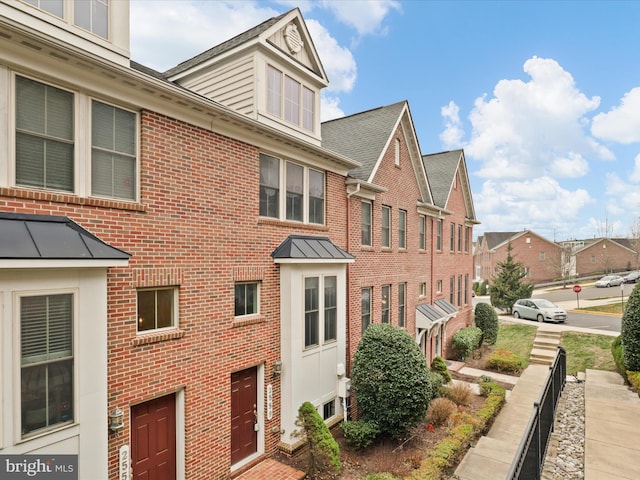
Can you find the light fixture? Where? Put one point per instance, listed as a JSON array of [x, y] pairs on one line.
[[116, 420], [277, 368]]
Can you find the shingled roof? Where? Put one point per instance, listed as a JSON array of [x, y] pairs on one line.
[[362, 136], [441, 169]]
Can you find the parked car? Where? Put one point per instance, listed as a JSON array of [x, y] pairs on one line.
[[632, 277], [538, 309], [610, 281]]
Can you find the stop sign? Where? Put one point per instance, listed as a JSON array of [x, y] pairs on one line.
[[577, 288]]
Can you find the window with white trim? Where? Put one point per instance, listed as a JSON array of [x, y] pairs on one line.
[[90, 15], [402, 229], [47, 153], [247, 299], [438, 286], [46, 362], [402, 302], [157, 309], [44, 136], [320, 310], [289, 99], [422, 234], [365, 308], [439, 235], [422, 289], [365, 223], [289, 191], [386, 226], [452, 237], [386, 304], [113, 151]]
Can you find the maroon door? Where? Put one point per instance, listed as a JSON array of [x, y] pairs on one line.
[[153, 439], [244, 397]]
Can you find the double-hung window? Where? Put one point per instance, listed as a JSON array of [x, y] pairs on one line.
[[44, 136], [246, 299], [365, 308], [320, 310], [402, 229], [46, 361], [459, 238], [439, 235], [422, 235], [452, 237], [300, 189], [365, 224], [91, 15], [386, 303], [386, 226], [157, 309], [113, 151], [402, 300]]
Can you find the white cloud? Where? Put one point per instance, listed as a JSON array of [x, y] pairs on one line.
[[621, 124], [634, 176], [365, 16], [164, 33], [337, 61], [330, 108], [526, 127], [453, 133]]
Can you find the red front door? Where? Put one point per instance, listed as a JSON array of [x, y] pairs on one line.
[[153, 439], [244, 398]]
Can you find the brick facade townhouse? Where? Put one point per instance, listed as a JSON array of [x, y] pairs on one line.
[[393, 217], [177, 249], [217, 303]]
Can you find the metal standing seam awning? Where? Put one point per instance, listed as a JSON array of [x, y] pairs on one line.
[[430, 315], [310, 249], [49, 241]]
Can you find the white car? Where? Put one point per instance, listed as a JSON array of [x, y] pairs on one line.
[[538, 309], [610, 281]]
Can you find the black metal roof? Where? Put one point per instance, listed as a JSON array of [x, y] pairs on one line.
[[309, 248], [43, 237], [439, 309]]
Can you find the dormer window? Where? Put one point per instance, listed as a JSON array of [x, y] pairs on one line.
[[91, 15], [289, 99]]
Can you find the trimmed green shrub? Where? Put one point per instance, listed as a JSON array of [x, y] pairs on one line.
[[504, 361], [634, 380], [438, 365], [631, 331], [360, 434], [390, 379], [618, 357], [323, 450], [436, 382], [465, 341], [486, 320]]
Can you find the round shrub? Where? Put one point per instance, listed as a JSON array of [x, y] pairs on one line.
[[486, 320], [390, 379], [505, 361], [360, 434], [439, 411], [631, 331], [438, 365], [465, 341]]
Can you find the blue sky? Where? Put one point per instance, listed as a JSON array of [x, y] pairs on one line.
[[543, 96]]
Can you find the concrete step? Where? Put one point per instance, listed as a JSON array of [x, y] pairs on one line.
[[547, 342]]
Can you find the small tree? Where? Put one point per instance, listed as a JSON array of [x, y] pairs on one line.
[[486, 320], [508, 286], [323, 450], [390, 379], [630, 331]]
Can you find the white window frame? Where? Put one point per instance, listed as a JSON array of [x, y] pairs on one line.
[[385, 304], [397, 152], [321, 311], [386, 227], [422, 234], [402, 304], [17, 296], [68, 14], [258, 289], [306, 194], [370, 304], [368, 224], [174, 314], [298, 110], [402, 229], [82, 140]]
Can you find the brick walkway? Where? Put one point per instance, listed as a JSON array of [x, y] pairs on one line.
[[269, 469]]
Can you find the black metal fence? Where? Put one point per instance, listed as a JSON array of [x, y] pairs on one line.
[[527, 464]]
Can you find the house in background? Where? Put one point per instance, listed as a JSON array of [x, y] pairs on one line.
[[542, 259], [600, 256]]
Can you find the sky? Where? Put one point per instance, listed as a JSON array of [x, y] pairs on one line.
[[543, 96]]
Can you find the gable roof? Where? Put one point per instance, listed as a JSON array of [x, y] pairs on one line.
[[441, 170], [48, 237], [494, 239], [366, 136]]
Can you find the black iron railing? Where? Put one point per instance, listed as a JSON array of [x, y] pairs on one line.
[[529, 459]]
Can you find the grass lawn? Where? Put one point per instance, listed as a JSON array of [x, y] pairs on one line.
[[610, 308], [516, 338], [586, 350]]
